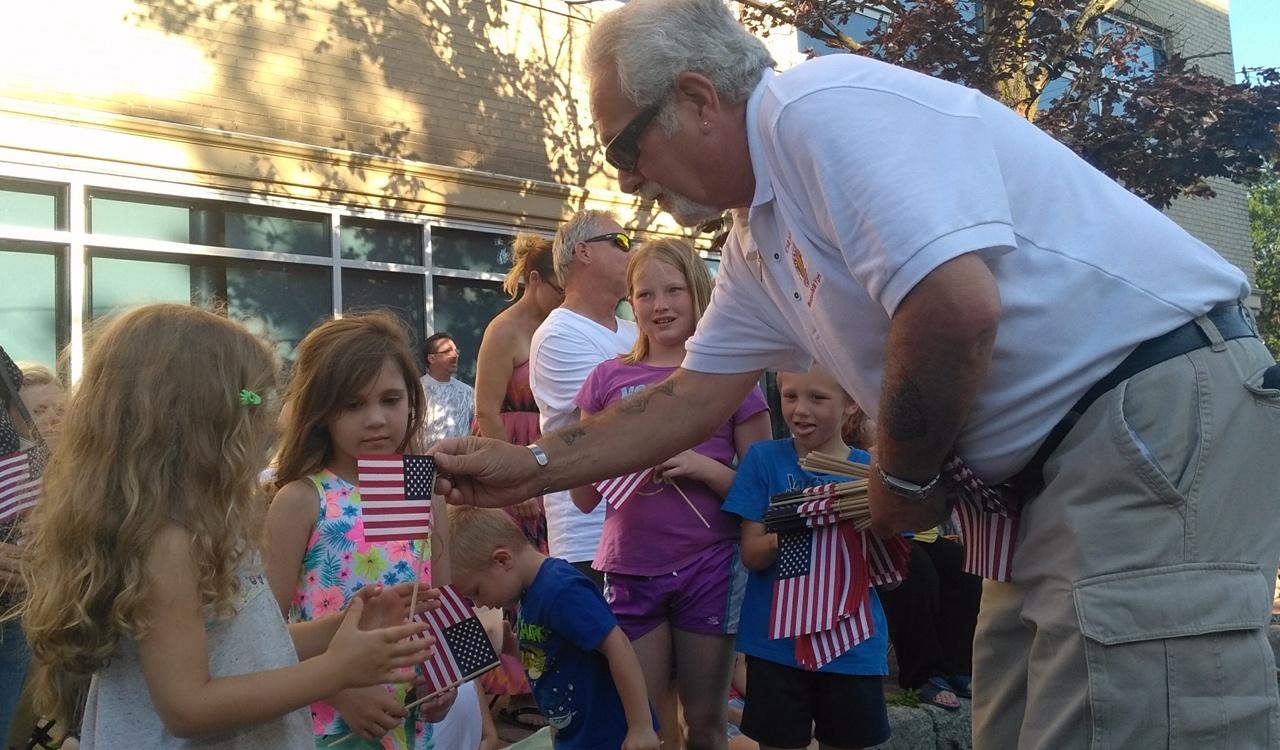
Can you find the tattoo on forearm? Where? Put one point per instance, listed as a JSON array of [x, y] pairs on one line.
[[639, 403], [904, 413], [572, 435]]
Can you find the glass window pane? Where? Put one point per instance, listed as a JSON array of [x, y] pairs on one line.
[[401, 293], [120, 283], [293, 233], [29, 304], [279, 301], [138, 216], [469, 250], [463, 307], [382, 241], [31, 204]]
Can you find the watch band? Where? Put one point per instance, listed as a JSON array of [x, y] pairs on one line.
[[905, 488], [539, 455]]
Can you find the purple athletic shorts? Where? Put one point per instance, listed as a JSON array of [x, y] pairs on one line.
[[702, 597]]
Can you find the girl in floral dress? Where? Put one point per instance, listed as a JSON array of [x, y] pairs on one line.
[[354, 390]]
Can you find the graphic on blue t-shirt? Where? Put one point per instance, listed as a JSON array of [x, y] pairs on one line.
[[771, 467], [563, 620]]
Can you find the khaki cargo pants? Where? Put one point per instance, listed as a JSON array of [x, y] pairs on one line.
[[1144, 572]]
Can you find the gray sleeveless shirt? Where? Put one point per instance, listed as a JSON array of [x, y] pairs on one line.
[[119, 714]]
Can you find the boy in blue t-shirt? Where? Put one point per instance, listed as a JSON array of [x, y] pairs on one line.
[[584, 673], [841, 704]]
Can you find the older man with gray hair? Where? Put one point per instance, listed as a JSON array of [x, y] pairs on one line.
[[590, 255], [987, 296]]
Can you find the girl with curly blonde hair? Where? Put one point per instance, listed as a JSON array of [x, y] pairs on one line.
[[144, 556]]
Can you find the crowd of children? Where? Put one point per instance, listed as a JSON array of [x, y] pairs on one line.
[[205, 604]]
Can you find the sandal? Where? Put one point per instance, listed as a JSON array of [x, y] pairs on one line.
[[525, 717], [931, 693], [961, 685]]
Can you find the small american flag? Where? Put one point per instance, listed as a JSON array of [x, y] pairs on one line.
[[462, 650], [18, 489], [988, 538], [888, 559], [820, 593], [395, 496], [616, 491], [988, 526]]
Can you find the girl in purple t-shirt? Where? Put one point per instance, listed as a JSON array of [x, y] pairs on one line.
[[669, 554]]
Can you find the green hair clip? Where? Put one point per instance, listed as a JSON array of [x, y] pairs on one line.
[[249, 398]]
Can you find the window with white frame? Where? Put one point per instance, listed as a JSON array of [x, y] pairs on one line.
[[76, 248]]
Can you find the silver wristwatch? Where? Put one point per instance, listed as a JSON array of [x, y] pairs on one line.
[[539, 455], [905, 488]]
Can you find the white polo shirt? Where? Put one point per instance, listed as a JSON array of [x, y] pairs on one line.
[[564, 350], [869, 176]]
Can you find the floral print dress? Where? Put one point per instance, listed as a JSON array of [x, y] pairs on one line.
[[338, 563]]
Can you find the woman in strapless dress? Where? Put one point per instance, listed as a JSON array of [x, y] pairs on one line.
[[505, 408]]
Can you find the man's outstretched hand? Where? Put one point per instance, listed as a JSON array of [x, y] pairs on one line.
[[485, 472]]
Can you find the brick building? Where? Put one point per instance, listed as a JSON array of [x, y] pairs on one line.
[[301, 158]]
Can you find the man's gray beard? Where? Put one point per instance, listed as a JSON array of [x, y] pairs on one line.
[[686, 212]]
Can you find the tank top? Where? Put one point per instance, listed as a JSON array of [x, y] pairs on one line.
[[119, 712], [338, 563]]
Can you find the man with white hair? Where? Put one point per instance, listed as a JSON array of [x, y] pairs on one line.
[[986, 295], [590, 256]]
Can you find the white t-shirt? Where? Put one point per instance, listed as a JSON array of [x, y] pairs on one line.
[[461, 728], [449, 409], [564, 351], [869, 176]]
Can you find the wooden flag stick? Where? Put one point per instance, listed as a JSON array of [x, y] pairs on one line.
[[417, 577], [690, 504], [835, 465]]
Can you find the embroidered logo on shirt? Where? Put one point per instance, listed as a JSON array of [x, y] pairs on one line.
[[797, 260]]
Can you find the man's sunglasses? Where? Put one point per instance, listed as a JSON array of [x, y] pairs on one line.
[[623, 151], [619, 240]]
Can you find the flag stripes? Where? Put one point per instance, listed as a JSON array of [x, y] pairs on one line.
[[618, 490], [18, 489], [887, 559], [989, 538], [816, 650]]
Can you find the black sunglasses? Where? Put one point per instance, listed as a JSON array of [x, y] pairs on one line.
[[623, 151], [619, 239]]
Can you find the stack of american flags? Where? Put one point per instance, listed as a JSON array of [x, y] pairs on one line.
[[827, 561]]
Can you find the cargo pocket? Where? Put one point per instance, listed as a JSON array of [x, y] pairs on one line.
[[1178, 657]]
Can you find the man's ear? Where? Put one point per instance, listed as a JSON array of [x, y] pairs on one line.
[[698, 90], [502, 557]]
